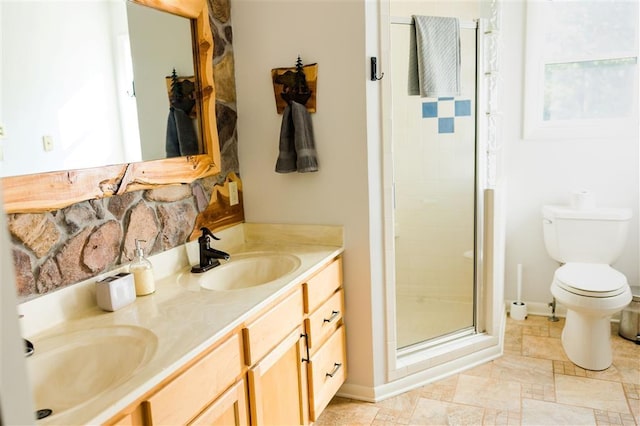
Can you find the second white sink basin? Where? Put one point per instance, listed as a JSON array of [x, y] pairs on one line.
[[69, 369], [249, 270]]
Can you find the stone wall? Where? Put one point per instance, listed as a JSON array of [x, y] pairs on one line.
[[59, 248], [224, 77]]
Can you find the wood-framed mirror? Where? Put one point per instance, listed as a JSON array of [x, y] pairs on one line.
[[53, 190]]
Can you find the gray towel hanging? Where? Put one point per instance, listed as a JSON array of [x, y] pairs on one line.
[[297, 150]]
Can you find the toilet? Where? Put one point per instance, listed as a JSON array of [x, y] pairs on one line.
[[586, 242]]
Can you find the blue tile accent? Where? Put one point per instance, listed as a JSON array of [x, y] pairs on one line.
[[445, 125], [446, 99], [463, 108], [429, 109]]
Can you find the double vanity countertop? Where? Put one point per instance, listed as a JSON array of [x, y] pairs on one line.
[[180, 319]]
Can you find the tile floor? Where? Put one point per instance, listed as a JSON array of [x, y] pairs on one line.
[[533, 383]]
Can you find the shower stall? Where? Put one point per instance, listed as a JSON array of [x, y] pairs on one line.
[[443, 296]]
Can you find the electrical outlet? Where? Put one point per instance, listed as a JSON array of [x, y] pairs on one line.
[[233, 193], [1, 131], [47, 143]]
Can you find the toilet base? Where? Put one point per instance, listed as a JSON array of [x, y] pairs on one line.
[[586, 337], [586, 340]]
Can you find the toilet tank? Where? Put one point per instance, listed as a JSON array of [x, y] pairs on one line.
[[595, 235]]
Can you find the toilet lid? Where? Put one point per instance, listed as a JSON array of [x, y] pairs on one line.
[[591, 279]]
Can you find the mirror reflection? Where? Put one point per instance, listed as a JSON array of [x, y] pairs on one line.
[[88, 84]]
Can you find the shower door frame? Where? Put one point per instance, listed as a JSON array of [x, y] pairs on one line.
[[437, 357]]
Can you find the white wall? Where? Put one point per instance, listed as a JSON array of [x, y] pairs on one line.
[[545, 172], [270, 34], [58, 84]]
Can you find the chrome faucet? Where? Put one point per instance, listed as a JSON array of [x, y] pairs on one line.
[[209, 257]]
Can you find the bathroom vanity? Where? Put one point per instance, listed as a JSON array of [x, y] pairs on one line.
[[270, 353]]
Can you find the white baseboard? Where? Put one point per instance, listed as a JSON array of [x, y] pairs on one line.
[[421, 378], [541, 309]]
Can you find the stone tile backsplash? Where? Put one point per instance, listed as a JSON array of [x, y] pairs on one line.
[[62, 247]]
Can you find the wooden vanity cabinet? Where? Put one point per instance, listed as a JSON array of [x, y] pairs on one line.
[[324, 308], [281, 367], [298, 376]]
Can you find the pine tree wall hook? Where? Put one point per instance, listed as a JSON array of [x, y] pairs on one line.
[[295, 84]]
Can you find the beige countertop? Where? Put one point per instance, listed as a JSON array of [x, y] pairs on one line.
[[184, 318]]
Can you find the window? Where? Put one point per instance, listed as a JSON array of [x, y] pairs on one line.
[[581, 77]]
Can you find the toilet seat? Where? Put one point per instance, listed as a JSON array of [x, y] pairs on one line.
[[591, 279]]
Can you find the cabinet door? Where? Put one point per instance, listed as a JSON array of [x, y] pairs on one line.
[[229, 409], [278, 385]]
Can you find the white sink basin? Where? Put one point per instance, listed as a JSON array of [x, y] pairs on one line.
[[248, 270], [70, 369]]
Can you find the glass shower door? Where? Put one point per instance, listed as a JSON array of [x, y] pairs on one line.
[[434, 152]]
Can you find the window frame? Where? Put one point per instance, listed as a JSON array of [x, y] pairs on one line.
[[534, 125]]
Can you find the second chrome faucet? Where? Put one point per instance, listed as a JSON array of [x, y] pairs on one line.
[[209, 257]]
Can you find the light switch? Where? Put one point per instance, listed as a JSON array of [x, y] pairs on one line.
[[233, 193], [47, 143]]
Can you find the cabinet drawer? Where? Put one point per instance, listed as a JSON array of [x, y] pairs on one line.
[[229, 409], [327, 372], [325, 320], [322, 285], [136, 418], [267, 331], [189, 393]]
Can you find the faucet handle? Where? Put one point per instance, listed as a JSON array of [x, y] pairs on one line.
[[28, 348], [207, 233]]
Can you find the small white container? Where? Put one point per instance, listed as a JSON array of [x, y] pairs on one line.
[[518, 311], [115, 292]]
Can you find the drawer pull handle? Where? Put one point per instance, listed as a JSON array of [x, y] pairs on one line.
[[336, 367], [334, 315], [306, 346]]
